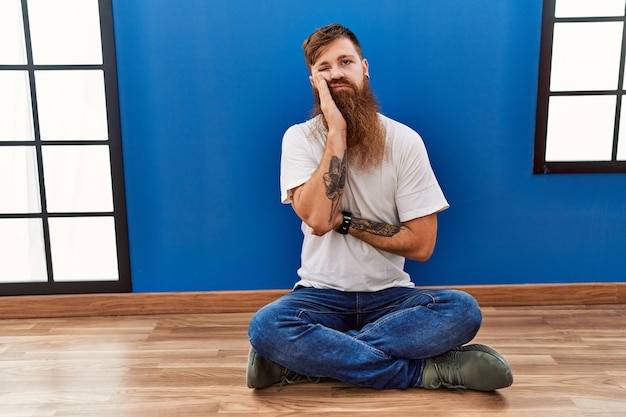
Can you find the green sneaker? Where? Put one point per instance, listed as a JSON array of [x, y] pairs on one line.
[[262, 373], [475, 367]]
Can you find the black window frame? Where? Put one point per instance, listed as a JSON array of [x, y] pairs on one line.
[[540, 165], [114, 143]]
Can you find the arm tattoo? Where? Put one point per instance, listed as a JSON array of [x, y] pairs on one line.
[[375, 228], [335, 181]]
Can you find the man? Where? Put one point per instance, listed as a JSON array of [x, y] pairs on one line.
[[363, 186]]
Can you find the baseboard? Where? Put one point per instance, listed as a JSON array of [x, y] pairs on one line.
[[37, 306]]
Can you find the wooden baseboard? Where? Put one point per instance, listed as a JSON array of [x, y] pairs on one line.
[[82, 305]]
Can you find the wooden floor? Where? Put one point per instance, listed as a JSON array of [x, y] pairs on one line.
[[567, 361]]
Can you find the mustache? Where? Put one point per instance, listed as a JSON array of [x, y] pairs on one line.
[[343, 82]]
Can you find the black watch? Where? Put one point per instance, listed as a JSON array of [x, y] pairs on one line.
[[345, 225]]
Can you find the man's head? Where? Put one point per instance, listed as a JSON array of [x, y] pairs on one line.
[[318, 40], [335, 52]]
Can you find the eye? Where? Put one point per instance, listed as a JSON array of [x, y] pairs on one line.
[[322, 69], [346, 61]]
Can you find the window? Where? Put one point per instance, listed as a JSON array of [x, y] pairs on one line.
[[581, 122], [62, 207]]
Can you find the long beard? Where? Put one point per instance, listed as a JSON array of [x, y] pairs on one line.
[[365, 133]]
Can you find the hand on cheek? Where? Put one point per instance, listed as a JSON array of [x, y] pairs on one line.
[[328, 107]]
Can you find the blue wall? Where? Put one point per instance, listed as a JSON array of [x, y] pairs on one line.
[[207, 89]]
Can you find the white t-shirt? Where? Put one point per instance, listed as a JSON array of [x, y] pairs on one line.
[[403, 188]]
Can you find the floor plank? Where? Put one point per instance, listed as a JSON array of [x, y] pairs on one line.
[[567, 361]]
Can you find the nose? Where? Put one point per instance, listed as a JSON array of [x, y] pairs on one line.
[[336, 73]]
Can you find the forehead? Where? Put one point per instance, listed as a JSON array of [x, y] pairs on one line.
[[337, 49]]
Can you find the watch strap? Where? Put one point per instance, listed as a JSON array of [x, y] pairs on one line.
[[345, 225]]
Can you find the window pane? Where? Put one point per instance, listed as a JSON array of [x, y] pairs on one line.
[[72, 105], [22, 257], [83, 249], [78, 178], [586, 56], [19, 182], [589, 8], [65, 31], [16, 115], [12, 46], [580, 128]]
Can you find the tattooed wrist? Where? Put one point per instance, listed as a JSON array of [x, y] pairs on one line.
[[374, 228]]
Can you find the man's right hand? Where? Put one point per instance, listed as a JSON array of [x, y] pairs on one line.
[[333, 116]]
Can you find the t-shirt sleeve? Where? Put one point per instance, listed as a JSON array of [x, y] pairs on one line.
[[418, 192], [299, 160]]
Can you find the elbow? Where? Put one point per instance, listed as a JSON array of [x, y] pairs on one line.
[[318, 222], [319, 226], [421, 254], [423, 257]]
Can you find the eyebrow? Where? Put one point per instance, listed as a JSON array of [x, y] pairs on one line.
[[339, 58]]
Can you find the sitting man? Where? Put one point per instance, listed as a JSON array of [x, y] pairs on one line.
[[368, 198]]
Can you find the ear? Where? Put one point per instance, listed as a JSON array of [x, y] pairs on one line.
[[365, 67]]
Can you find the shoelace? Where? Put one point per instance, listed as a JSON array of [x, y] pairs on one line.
[[450, 376], [289, 377]]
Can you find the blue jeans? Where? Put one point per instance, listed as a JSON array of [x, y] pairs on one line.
[[375, 339]]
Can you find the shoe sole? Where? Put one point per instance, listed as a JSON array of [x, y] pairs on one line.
[[251, 356]]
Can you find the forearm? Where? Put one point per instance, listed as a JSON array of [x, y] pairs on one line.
[[318, 201], [413, 240]]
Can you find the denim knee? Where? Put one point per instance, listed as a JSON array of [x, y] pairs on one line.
[[261, 326], [469, 309]]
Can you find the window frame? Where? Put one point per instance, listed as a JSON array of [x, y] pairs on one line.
[[540, 165], [114, 143]]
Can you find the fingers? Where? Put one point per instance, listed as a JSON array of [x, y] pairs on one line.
[[320, 84], [327, 104]]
